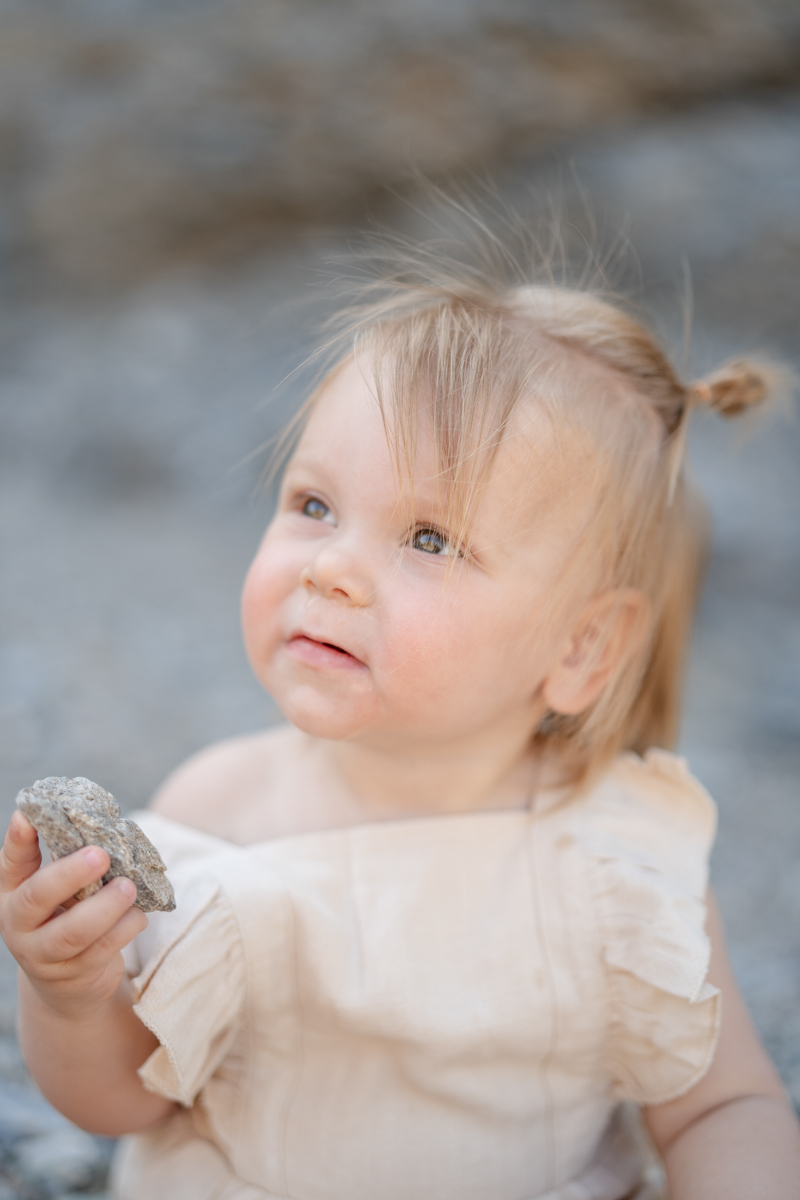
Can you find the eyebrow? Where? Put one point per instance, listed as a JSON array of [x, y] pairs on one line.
[[301, 466], [321, 466]]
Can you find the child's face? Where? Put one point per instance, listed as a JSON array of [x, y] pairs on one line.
[[353, 621]]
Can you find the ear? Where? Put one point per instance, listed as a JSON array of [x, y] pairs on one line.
[[606, 633]]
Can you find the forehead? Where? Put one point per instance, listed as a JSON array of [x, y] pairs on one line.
[[347, 415], [516, 475], [345, 411]]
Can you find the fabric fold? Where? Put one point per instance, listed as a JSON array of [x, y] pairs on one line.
[[191, 992], [649, 847]]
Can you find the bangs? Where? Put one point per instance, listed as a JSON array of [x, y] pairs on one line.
[[452, 376]]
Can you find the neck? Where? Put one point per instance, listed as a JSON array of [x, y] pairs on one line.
[[387, 779]]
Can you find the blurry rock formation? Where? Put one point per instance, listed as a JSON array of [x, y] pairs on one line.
[[134, 134]]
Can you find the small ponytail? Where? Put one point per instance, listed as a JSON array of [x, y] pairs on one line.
[[734, 388], [737, 386]]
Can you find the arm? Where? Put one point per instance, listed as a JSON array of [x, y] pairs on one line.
[[81, 1039], [734, 1136]]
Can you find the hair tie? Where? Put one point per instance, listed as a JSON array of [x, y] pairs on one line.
[[677, 447], [702, 391]]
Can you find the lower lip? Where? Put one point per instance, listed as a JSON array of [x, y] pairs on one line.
[[322, 656]]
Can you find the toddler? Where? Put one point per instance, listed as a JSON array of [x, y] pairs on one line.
[[435, 931]]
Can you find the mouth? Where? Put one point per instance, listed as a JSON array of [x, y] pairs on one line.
[[321, 655]]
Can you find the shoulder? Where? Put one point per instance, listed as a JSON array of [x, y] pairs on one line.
[[645, 830], [199, 792], [651, 811]]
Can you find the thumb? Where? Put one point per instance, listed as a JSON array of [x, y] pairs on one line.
[[20, 856]]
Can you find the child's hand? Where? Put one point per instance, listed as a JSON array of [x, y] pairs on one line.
[[70, 953]]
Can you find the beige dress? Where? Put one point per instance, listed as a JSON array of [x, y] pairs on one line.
[[443, 1007]]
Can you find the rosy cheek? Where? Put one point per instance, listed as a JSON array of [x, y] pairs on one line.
[[424, 636], [250, 599], [261, 597]]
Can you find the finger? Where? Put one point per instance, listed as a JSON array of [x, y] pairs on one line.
[[20, 856], [38, 897], [72, 932], [110, 943]]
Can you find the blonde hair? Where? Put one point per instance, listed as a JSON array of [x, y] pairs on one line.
[[468, 347]]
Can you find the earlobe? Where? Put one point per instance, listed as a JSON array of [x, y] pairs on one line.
[[607, 632]]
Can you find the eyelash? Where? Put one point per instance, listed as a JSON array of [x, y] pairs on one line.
[[304, 500]]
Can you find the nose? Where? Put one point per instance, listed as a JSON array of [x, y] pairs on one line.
[[339, 571]]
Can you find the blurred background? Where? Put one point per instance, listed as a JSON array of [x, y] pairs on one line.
[[175, 177]]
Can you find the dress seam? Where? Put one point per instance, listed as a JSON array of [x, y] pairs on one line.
[[291, 1090], [241, 1091], [532, 845], [609, 994]]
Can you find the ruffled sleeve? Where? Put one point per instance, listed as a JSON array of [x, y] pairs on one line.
[[190, 993], [651, 834]]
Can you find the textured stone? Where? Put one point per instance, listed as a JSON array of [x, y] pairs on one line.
[[70, 813], [78, 1196], [63, 1161], [24, 1113], [42, 1153]]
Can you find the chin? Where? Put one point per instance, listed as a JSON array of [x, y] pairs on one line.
[[331, 722], [321, 708]]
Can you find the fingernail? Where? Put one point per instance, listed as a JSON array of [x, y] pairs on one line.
[[128, 888], [94, 855]]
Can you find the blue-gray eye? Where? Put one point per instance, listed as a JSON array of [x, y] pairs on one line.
[[431, 541], [316, 509]]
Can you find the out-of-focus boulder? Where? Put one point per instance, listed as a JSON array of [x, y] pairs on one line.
[[134, 134]]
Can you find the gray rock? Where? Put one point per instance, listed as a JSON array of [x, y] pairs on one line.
[[74, 1196], [12, 1064], [63, 1161], [26, 1114], [71, 813]]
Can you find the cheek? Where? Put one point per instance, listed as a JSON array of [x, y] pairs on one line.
[[451, 644], [269, 580], [442, 638]]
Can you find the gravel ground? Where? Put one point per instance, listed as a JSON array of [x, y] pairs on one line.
[[130, 503]]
